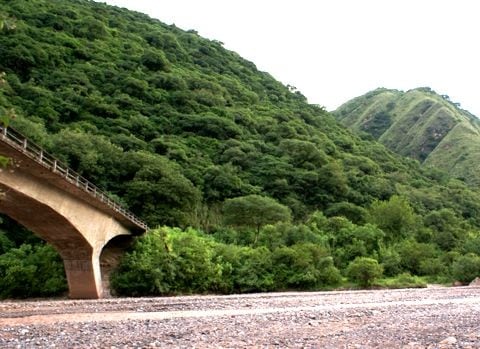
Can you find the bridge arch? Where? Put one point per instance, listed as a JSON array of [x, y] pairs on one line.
[[67, 211], [110, 258], [81, 257]]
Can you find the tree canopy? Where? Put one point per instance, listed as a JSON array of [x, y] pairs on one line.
[[254, 211]]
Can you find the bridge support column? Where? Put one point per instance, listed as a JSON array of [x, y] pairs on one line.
[[84, 277]]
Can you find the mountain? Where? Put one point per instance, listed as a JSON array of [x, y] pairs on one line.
[[272, 193], [174, 124], [421, 124]]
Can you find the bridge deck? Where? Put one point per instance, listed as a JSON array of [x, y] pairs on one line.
[[30, 157]]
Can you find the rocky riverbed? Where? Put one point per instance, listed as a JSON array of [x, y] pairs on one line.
[[417, 318]]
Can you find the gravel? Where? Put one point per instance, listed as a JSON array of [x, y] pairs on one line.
[[410, 318]]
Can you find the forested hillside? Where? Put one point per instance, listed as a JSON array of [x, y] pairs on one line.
[[421, 124], [276, 193]]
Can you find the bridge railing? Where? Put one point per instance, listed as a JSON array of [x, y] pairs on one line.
[[36, 153]]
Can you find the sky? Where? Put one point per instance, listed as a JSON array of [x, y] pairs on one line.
[[335, 50]]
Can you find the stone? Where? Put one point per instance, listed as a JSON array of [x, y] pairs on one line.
[[475, 282], [449, 341]]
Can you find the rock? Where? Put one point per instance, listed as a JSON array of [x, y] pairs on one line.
[[457, 283], [359, 319], [475, 282], [448, 341]]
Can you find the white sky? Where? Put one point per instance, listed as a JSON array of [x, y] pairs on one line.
[[335, 50]]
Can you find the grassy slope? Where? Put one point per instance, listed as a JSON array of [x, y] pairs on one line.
[[421, 124]]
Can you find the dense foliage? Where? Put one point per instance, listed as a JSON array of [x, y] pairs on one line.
[[168, 261], [186, 133], [30, 271]]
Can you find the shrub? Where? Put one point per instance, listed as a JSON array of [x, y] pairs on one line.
[[304, 266], [407, 280], [5, 243], [412, 253], [170, 261], [147, 269], [472, 244], [466, 267], [364, 271], [432, 266], [191, 257], [31, 271], [404, 280], [391, 261], [254, 270]]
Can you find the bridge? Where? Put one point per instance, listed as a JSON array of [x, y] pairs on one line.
[[86, 227]]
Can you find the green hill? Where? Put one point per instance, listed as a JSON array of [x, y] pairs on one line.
[[277, 194], [173, 123], [421, 124]]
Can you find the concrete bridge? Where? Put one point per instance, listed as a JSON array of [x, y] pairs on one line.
[[85, 226]]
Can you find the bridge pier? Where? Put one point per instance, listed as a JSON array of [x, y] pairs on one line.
[[84, 278], [88, 270], [82, 269]]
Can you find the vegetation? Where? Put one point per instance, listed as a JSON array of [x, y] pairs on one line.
[[168, 261], [421, 124], [364, 271], [404, 280], [256, 190], [254, 212], [30, 271]]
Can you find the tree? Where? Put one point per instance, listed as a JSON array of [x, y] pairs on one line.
[[413, 253], [364, 271], [159, 191], [395, 217], [447, 228], [155, 60], [354, 213], [254, 211], [222, 182]]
